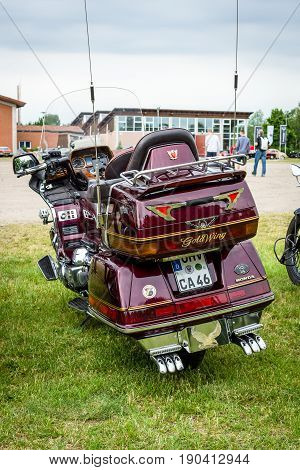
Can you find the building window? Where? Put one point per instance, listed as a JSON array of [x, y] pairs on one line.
[[183, 123], [137, 123], [209, 124], [24, 144], [174, 122], [201, 125], [216, 126], [164, 123], [129, 123], [191, 125], [149, 124], [122, 123]]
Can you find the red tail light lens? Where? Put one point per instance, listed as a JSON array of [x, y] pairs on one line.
[[208, 301], [251, 290]]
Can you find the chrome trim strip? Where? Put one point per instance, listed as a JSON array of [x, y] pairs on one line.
[[247, 329], [169, 323]]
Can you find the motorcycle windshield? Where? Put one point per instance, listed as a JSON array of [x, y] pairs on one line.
[[115, 120]]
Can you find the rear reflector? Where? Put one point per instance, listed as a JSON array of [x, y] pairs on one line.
[[251, 290], [207, 301]]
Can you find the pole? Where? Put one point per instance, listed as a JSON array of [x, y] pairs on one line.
[[236, 73], [285, 134]]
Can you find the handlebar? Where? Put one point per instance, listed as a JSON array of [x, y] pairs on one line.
[[30, 171], [50, 162]]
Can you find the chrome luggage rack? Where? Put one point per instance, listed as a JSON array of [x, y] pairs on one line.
[[135, 177]]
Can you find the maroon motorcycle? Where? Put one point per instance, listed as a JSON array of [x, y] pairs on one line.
[[158, 247]]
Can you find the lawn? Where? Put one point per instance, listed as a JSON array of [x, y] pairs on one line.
[[67, 387]]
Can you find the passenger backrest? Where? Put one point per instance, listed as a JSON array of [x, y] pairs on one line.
[[163, 148]]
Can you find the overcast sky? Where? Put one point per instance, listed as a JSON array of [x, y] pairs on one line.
[[171, 53]]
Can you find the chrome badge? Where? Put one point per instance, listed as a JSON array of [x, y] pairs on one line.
[[241, 269], [201, 223]]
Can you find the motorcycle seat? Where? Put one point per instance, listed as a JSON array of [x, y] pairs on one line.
[[117, 164]]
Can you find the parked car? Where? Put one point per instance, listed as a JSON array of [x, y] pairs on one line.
[[5, 152], [294, 154], [274, 154]]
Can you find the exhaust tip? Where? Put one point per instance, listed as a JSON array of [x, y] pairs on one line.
[[250, 343]]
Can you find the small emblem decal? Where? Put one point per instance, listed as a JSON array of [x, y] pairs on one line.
[[173, 154], [149, 291], [88, 215], [245, 278], [189, 269], [241, 269], [201, 223]]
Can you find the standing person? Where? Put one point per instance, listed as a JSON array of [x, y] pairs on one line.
[[212, 144], [261, 146], [243, 145]]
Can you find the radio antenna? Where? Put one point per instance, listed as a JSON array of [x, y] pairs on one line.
[[99, 220], [236, 71]]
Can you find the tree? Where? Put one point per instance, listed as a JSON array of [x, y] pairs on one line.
[[276, 119], [293, 122], [50, 120], [256, 119]]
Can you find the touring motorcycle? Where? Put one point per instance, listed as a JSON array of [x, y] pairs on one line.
[[290, 256], [156, 243]]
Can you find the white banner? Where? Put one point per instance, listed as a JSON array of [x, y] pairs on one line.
[[135, 459], [270, 133]]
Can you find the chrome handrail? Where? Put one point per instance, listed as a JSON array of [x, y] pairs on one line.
[[132, 176]]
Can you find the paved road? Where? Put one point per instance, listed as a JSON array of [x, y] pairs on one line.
[[277, 192]]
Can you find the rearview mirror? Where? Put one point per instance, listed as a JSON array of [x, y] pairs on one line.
[[23, 162], [295, 170]]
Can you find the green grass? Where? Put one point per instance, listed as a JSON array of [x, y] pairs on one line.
[[290, 161], [65, 387]]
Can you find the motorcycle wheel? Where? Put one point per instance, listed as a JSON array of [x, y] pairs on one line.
[[194, 360], [293, 234]]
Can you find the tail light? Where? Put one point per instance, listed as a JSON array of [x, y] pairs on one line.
[[181, 242], [207, 301], [127, 317], [250, 290]]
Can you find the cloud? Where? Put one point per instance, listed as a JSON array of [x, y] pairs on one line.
[[172, 53], [146, 27]]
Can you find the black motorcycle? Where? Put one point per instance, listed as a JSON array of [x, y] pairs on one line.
[[291, 253]]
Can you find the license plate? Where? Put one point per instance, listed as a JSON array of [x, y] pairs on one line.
[[191, 272]]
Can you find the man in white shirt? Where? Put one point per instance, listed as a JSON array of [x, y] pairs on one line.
[[212, 144]]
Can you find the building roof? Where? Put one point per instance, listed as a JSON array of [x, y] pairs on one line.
[[17, 103], [51, 129], [80, 117], [192, 113]]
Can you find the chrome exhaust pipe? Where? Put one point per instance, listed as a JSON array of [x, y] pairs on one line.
[[178, 362], [252, 343], [258, 339], [170, 364], [159, 361], [240, 341]]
